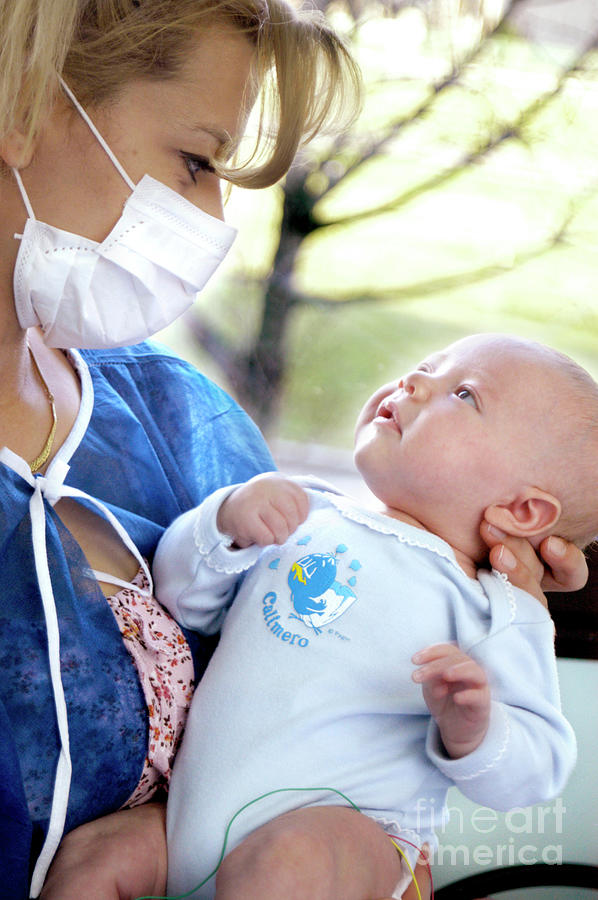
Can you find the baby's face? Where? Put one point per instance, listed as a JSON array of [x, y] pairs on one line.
[[460, 433]]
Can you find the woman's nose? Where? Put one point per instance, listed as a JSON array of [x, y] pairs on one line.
[[417, 385]]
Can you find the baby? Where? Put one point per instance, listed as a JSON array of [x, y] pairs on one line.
[[319, 696]]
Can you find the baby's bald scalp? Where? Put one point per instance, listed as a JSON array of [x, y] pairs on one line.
[[565, 451]]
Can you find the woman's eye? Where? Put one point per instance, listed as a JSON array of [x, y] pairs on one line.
[[197, 164], [465, 394]]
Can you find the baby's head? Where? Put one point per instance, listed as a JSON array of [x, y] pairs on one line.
[[492, 421]]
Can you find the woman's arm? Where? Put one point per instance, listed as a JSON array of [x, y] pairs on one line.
[[118, 857]]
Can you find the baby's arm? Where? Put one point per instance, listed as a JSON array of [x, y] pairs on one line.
[[195, 569], [528, 749], [456, 692]]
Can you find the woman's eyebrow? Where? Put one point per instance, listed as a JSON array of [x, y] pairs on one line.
[[221, 135]]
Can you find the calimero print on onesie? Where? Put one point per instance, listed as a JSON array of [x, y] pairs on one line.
[[320, 589]]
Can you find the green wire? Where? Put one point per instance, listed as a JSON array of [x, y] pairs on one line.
[[227, 832]]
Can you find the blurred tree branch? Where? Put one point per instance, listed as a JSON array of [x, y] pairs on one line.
[[256, 373]]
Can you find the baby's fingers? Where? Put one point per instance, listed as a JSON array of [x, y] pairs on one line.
[[435, 660], [293, 505], [471, 698], [467, 672], [282, 516], [448, 664], [437, 651], [272, 527]]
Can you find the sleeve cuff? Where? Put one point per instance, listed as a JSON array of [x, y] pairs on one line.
[[479, 761], [214, 546]]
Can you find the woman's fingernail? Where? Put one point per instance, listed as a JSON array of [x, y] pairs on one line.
[[424, 855], [506, 559], [496, 532], [557, 546]]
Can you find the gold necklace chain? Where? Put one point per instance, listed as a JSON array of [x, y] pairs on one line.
[[40, 460]]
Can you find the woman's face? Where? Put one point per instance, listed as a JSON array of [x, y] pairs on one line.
[[169, 129]]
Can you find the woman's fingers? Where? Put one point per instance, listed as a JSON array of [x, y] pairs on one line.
[[562, 566], [516, 558], [567, 567]]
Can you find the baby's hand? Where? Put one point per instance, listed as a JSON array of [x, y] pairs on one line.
[[457, 693], [265, 511]]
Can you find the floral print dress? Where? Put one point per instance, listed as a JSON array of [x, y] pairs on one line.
[[165, 667]]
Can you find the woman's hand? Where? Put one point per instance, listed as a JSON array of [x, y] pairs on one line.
[[119, 857], [565, 566]]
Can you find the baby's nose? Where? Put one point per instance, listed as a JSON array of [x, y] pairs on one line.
[[417, 385]]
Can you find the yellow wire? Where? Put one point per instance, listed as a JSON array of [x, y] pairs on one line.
[[408, 864], [251, 803]]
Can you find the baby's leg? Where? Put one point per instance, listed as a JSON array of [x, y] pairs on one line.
[[323, 853]]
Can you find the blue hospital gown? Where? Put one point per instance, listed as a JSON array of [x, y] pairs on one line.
[[185, 437]]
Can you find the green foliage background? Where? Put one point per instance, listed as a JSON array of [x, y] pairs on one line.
[[507, 242]]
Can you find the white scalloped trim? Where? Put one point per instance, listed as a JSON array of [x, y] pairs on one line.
[[497, 758], [202, 548], [214, 546], [394, 830], [209, 508], [231, 562], [391, 826], [510, 594], [205, 549], [396, 528], [228, 570]]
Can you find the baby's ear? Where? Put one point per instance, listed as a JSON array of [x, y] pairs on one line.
[[532, 512]]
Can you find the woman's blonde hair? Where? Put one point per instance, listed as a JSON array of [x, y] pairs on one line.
[[307, 75]]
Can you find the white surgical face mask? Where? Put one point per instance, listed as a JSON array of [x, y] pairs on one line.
[[160, 253]]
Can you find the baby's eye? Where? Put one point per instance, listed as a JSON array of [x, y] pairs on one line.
[[465, 394], [197, 164]]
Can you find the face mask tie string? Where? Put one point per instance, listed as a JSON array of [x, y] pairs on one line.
[[24, 196], [84, 115], [146, 272]]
